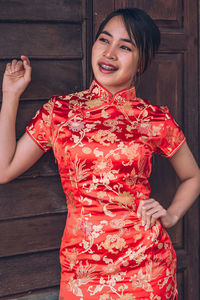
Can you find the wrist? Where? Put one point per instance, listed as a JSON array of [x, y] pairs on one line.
[[10, 96], [170, 219]]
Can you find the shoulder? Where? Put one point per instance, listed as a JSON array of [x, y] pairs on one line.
[[160, 111], [69, 104], [68, 99]]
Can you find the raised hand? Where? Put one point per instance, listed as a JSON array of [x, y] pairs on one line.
[[17, 76], [149, 210]]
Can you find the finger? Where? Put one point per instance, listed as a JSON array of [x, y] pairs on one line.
[[13, 64], [158, 215], [151, 205], [155, 211], [19, 66], [145, 203], [148, 220], [8, 68], [152, 216], [146, 209], [25, 59], [139, 210], [27, 67]]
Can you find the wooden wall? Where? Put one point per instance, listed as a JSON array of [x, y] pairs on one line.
[[57, 36], [54, 34]]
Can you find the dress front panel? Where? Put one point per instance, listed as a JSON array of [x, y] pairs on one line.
[[103, 145]]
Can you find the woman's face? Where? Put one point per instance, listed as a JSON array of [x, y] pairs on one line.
[[114, 57]]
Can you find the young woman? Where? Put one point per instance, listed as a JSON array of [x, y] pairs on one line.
[[114, 245]]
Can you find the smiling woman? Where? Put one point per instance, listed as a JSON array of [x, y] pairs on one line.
[[115, 57], [114, 245]]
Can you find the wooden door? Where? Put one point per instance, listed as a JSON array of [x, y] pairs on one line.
[[57, 36], [172, 80]]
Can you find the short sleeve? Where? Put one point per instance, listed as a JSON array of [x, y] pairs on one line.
[[39, 128], [172, 137]]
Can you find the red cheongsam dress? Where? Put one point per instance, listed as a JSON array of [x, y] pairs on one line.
[[103, 145]]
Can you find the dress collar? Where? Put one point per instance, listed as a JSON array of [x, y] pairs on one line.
[[119, 98]]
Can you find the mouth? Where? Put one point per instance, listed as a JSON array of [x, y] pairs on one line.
[[107, 67]]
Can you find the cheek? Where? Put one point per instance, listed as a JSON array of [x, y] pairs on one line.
[[94, 56], [131, 65]]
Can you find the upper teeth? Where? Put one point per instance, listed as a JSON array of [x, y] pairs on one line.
[[108, 67]]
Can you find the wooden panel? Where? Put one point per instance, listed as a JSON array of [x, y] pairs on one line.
[[180, 282], [167, 13], [176, 234], [41, 10], [41, 40], [182, 260], [167, 89], [46, 166], [100, 10], [31, 197], [31, 235], [20, 274], [51, 77], [52, 294], [176, 42], [26, 112]]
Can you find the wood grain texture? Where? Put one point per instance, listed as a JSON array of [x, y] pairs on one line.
[[100, 10], [31, 235], [24, 273], [52, 294], [45, 10], [45, 167], [51, 77], [40, 39], [31, 197], [162, 83], [166, 13]]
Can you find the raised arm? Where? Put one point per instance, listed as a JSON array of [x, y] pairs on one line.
[[15, 158]]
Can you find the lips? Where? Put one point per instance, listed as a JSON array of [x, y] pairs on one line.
[[105, 67]]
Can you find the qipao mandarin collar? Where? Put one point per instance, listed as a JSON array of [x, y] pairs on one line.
[[119, 98]]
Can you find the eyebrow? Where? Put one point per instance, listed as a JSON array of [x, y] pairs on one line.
[[124, 40]]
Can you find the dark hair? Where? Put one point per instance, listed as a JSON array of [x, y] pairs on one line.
[[142, 28]]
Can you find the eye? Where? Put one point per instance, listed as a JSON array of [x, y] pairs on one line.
[[125, 48], [104, 40]]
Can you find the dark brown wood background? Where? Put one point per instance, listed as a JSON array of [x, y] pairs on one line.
[[57, 36]]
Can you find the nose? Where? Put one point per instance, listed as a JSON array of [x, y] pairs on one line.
[[110, 52]]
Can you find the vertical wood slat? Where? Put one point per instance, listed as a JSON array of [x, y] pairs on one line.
[[100, 10], [87, 41], [191, 121]]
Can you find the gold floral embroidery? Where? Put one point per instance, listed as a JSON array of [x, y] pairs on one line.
[[102, 165], [93, 103], [104, 137], [127, 199], [114, 243]]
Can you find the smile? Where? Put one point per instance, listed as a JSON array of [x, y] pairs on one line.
[[107, 67]]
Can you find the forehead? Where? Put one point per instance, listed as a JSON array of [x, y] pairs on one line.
[[116, 25]]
